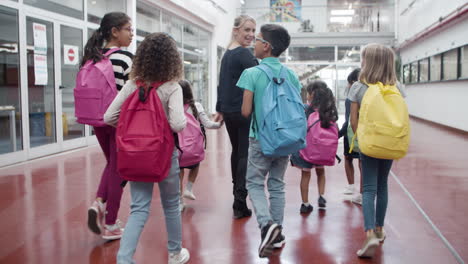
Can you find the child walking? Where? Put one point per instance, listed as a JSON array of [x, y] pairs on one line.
[[269, 44], [349, 157], [378, 71], [321, 99], [157, 62], [115, 32], [195, 109]]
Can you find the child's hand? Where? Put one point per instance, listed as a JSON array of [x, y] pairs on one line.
[[218, 117]]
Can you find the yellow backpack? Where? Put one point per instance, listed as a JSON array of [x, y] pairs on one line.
[[383, 128]]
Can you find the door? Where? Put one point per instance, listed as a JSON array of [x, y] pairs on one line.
[[71, 43], [54, 50]]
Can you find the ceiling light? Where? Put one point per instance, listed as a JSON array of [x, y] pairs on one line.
[[342, 12], [343, 20]]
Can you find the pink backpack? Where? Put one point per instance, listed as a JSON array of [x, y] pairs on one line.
[[95, 90], [145, 141], [322, 143], [191, 142]]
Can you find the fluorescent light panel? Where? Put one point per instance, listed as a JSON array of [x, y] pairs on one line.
[[342, 12]]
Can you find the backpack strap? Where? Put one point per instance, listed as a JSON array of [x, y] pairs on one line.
[[110, 51], [267, 70]]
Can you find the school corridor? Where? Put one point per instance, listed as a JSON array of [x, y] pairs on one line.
[[44, 202]]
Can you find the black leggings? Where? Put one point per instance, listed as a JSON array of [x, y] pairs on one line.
[[238, 129]]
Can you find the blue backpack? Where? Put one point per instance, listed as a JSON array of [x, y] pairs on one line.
[[283, 126]]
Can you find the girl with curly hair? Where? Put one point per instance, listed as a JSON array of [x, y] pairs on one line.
[[322, 100], [114, 32], [156, 61]]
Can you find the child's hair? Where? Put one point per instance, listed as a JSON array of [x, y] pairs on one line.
[[188, 96], [156, 60], [92, 50], [378, 65], [324, 101], [238, 23], [277, 36], [354, 76]]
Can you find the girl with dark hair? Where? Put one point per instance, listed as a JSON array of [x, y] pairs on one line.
[[196, 109], [115, 32], [348, 161], [320, 99], [156, 61]]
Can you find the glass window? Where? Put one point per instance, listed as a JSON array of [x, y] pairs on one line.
[[435, 68], [97, 9], [312, 53], [10, 93], [414, 72], [149, 19], [172, 26], [406, 73], [41, 84], [191, 38], [71, 42], [450, 63], [204, 51], [464, 62], [349, 54], [73, 8], [424, 70]]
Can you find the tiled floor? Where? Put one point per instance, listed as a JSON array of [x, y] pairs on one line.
[[43, 206]]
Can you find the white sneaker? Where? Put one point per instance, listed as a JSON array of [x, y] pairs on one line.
[[179, 258], [189, 194], [181, 204], [357, 199], [349, 189]]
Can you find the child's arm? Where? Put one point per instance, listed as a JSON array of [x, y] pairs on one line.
[[247, 103], [111, 117], [204, 119]]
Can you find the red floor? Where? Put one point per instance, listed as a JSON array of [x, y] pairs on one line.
[[43, 206]]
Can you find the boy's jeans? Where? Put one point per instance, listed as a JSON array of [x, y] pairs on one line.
[[258, 167], [142, 193]]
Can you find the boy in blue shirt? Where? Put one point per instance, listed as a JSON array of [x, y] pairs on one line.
[[269, 44]]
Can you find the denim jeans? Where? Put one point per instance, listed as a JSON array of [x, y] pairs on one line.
[[141, 193], [374, 183], [258, 167]]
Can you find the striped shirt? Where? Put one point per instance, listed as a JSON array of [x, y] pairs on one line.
[[122, 64]]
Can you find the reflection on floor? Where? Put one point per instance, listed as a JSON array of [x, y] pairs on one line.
[[43, 207]]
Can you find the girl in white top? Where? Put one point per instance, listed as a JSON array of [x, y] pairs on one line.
[[196, 109], [156, 60]]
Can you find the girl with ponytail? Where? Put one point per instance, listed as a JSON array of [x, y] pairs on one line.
[[320, 99], [115, 32], [196, 109]]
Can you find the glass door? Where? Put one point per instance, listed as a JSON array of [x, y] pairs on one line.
[[41, 82], [71, 43]]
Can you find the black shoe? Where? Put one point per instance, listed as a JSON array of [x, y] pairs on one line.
[[306, 209], [322, 203], [238, 214], [270, 233], [280, 240]]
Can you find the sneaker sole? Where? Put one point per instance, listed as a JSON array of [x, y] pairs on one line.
[[92, 221], [279, 244], [266, 247], [112, 237], [368, 252], [322, 206], [189, 197]]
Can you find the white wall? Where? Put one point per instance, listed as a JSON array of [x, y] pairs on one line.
[[439, 102], [421, 15]]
